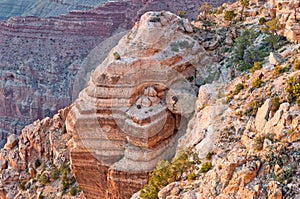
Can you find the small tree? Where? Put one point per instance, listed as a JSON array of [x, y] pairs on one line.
[[229, 15], [272, 26], [245, 4]]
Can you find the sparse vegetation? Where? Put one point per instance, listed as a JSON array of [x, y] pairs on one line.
[[205, 167], [256, 66], [54, 173], [181, 13], [257, 82], [166, 172], [293, 86], [22, 185], [296, 65], [262, 21], [43, 178], [229, 15], [209, 155], [275, 104], [73, 191], [252, 107], [117, 56], [259, 142]]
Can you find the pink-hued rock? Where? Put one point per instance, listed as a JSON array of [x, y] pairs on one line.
[[121, 123]]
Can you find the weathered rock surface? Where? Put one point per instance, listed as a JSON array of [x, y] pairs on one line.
[[35, 152], [121, 123], [40, 58], [287, 12]]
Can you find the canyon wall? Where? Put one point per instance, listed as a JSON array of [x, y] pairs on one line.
[[44, 8], [40, 58], [135, 106]]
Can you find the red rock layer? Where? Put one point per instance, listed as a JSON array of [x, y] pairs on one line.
[[122, 123]]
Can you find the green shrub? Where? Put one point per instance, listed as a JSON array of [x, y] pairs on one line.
[[293, 86], [275, 104], [43, 179], [166, 172], [238, 88], [117, 56], [262, 21], [73, 191], [229, 15], [209, 155], [256, 66], [205, 167], [54, 173], [277, 70], [259, 142], [296, 65], [290, 132], [22, 185], [257, 82], [252, 107], [181, 13], [245, 52], [192, 176]]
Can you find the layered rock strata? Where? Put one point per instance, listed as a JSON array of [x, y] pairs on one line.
[[40, 58], [129, 115], [9, 8]]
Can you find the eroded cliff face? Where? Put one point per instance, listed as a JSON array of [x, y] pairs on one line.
[[39, 151], [40, 58], [134, 107]]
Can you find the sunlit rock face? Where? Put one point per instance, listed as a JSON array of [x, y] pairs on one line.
[[134, 107], [288, 15]]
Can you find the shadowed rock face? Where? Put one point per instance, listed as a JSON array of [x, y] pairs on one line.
[[40, 58], [130, 114]]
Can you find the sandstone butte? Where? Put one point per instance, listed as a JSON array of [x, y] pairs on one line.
[[124, 121], [133, 110], [40, 57]]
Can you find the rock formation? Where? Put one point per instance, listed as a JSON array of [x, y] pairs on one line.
[[40, 58], [288, 14], [133, 109], [32, 154]]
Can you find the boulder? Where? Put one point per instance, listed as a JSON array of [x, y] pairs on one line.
[[12, 141], [275, 59], [262, 115]]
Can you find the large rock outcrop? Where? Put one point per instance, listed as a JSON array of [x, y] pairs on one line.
[[40, 148], [288, 15], [40, 58], [134, 107]]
